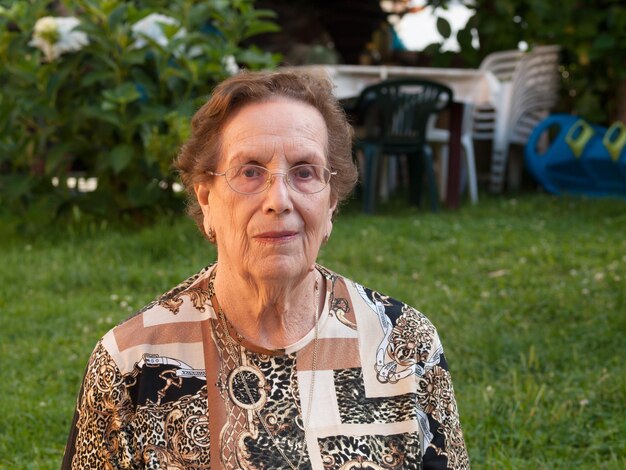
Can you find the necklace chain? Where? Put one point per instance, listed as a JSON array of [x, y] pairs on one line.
[[236, 345]]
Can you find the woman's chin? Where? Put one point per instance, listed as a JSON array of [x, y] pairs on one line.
[[280, 268]]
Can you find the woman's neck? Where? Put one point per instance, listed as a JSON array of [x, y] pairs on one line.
[[271, 315]]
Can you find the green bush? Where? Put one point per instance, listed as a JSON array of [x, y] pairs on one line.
[[105, 100], [590, 33]]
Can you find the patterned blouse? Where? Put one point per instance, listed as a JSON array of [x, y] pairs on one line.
[[173, 387]]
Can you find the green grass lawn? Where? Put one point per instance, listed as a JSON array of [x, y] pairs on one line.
[[528, 295]]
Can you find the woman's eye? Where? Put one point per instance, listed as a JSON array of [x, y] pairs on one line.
[[304, 172], [250, 172]]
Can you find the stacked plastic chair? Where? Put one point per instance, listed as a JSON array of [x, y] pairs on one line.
[[581, 158], [504, 66], [529, 83], [524, 102], [478, 122], [393, 115]]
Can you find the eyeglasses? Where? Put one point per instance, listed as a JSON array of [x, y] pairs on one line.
[[253, 179]]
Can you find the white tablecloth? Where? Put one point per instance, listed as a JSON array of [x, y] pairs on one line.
[[470, 86]]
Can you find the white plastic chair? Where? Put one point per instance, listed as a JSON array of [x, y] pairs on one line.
[[524, 102], [442, 136], [478, 122], [503, 65], [528, 90]]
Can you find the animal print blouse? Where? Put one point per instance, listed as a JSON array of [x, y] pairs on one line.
[[169, 388]]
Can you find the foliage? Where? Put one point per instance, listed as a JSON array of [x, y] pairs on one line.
[[527, 293], [590, 32], [116, 108]]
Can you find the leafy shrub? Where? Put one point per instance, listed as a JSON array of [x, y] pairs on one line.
[[590, 33], [110, 98]]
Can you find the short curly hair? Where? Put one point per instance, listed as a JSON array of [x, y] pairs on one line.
[[202, 150]]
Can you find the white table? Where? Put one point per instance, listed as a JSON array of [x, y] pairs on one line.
[[470, 87]]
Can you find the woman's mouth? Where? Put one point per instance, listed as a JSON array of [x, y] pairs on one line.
[[276, 236]]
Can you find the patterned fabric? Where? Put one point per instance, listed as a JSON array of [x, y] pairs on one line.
[[171, 388]]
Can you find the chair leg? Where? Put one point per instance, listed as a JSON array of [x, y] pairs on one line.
[[501, 140], [420, 165], [470, 163], [499, 159], [432, 180], [468, 146], [443, 171], [415, 164], [371, 156]]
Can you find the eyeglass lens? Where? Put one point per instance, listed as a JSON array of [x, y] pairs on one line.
[[248, 179]]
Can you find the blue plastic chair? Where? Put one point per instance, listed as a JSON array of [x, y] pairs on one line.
[[394, 115]]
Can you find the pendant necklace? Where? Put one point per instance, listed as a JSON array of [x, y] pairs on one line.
[[236, 345]]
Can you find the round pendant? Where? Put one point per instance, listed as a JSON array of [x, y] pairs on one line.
[[246, 387]]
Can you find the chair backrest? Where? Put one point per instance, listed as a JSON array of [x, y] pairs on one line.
[[504, 65], [523, 103], [394, 113], [535, 91], [529, 84]]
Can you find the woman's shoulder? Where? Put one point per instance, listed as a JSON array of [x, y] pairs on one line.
[[190, 296], [195, 288], [365, 301], [393, 336], [170, 322]]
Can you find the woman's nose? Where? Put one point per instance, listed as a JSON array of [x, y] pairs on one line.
[[278, 194]]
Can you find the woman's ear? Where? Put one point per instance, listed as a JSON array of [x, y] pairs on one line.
[[329, 220], [202, 195]]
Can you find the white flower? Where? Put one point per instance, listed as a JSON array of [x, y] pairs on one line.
[[151, 27], [46, 25], [230, 64], [57, 35]]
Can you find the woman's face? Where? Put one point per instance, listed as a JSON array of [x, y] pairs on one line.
[[276, 234]]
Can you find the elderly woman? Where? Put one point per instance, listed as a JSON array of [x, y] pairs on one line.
[[265, 359]]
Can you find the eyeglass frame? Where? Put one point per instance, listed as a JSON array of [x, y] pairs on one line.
[[271, 175]]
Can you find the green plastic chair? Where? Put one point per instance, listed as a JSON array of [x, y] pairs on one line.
[[393, 115]]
